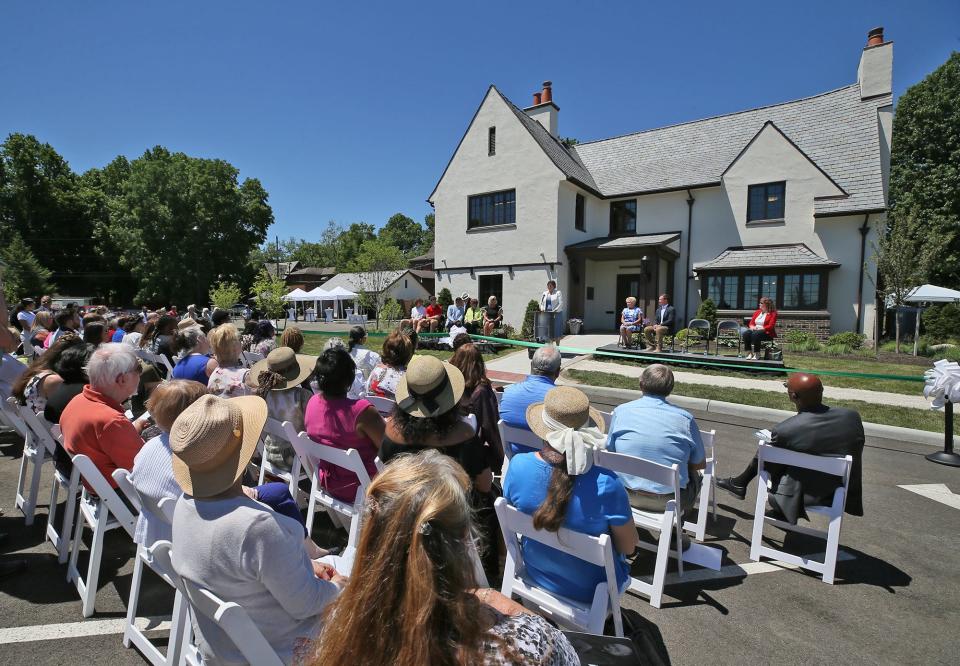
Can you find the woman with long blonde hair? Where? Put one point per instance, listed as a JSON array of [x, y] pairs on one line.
[[413, 598]]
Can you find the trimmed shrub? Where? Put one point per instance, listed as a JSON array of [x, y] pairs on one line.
[[445, 299], [847, 338], [801, 341], [526, 330], [941, 322], [708, 310]]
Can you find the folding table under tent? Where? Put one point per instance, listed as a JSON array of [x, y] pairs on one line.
[[340, 294], [929, 293], [298, 295], [317, 295]]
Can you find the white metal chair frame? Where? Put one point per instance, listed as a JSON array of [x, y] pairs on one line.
[[703, 328], [597, 550], [179, 620], [296, 473], [62, 540], [10, 415], [728, 328], [708, 487], [103, 510], [836, 466]]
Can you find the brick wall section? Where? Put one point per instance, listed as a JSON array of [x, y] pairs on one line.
[[817, 323]]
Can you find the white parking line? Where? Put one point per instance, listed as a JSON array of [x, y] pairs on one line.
[[52, 632]]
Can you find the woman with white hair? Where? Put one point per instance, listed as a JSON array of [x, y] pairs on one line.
[[195, 362]]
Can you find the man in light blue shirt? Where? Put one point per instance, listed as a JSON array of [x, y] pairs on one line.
[[653, 429], [544, 370], [455, 313]]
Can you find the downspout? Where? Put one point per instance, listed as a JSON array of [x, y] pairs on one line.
[[864, 230], [688, 275]]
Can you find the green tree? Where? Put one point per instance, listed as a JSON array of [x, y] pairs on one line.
[[182, 223], [445, 298], [403, 233], [429, 220], [708, 310], [924, 173], [224, 295], [24, 275], [526, 328], [377, 262], [268, 291]]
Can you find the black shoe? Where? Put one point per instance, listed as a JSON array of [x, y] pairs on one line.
[[10, 567], [728, 484]]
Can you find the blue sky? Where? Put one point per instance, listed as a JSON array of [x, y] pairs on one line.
[[349, 111]]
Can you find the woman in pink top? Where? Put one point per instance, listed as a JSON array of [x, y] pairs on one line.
[[333, 419]]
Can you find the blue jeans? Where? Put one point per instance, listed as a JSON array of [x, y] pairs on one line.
[[277, 496]]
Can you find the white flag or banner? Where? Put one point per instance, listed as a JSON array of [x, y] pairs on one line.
[[942, 383]]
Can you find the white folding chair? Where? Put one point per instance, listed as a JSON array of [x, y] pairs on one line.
[[296, 473], [384, 405], [132, 634], [10, 415], [311, 453], [562, 610], [708, 487], [248, 358], [514, 435], [156, 360], [228, 616], [102, 510], [70, 484], [836, 466], [607, 419], [38, 449], [666, 523]]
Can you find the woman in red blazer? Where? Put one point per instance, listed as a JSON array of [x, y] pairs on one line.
[[761, 327]]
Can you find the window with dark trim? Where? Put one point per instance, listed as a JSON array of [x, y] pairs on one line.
[[789, 291], [580, 218], [623, 217], [489, 285], [766, 201], [485, 210], [492, 141]]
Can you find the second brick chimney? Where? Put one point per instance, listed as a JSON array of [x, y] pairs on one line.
[[544, 111]]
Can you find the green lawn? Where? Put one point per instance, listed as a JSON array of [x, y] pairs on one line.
[[906, 417], [819, 363]]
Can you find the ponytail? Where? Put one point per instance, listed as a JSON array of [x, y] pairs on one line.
[[357, 334], [551, 514]]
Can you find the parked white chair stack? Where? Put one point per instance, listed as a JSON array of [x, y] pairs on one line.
[[836, 466]]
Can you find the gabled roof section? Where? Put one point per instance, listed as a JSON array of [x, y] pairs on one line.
[[460, 143], [836, 130], [773, 125], [766, 256]]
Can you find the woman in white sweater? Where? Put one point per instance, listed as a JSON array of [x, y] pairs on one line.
[[551, 301]]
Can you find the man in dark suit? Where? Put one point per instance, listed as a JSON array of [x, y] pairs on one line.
[[816, 429], [663, 322]]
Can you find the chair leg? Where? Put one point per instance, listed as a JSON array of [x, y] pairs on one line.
[[179, 622], [833, 544], [72, 571], [93, 568], [759, 514], [660, 568], [30, 505], [69, 515], [311, 507], [55, 537], [263, 470], [135, 582]]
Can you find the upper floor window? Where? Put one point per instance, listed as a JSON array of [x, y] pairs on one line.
[[765, 202], [492, 141], [580, 217], [484, 210], [623, 217]]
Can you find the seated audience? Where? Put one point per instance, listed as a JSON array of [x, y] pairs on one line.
[[39, 382], [492, 316], [195, 361], [761, 329], [417, 313], [42, 327], [480, 399], [118, 326], [66, 321], [96, 333], [631, 320], [219, 317], [246, 338], [358, 388], [133, 331], [663, 324], [397, 350], [160, 338], [292, 337], [264, 338], [333, 419], [366, 359], [561, 487], [455, 312], [71, 367], [653, 429], [10, 368], [460, 340], [432, 315], [229, 378], [544, 371], [233, 545], [279, 379], [93, 423], [816, 429], [473, 317], [415, 556]]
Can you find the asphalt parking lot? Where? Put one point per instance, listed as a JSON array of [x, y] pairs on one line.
[[896, 598]]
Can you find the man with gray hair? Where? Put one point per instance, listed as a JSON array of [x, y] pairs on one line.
[[653, 429], [544, 370], [93, 423]]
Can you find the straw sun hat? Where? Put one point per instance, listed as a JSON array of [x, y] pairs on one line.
[[565, 405], [213, 440], [292, 367], [429, 387]]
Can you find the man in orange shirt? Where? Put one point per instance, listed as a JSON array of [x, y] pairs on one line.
[[93, 422]]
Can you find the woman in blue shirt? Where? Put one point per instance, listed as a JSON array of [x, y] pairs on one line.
[[560, 487], [630, 321], [195, 361]]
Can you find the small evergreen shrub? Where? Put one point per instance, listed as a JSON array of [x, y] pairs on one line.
[[445, 299], [708, 310], [526, 330], [941, 322], [801, 341], [848, 339]]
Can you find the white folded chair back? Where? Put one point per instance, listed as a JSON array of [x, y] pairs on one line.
[[835, 465], [156, 360], [103, 510], [597, 550], [296, 473], [708, 489], [10, 414], [383, 405], [520, 436], [248, 358]]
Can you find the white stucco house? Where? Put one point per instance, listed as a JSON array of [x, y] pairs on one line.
[[780, 201]]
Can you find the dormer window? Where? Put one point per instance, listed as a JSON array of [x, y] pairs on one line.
[[766, 202], [492, 141]]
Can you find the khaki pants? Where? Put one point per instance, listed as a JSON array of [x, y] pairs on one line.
[[655, 330], [688, 496]]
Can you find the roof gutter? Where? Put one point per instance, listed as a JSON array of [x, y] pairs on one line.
[[864, 230], [689, 267]]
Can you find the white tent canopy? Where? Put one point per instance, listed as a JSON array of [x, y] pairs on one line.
[[316, 294], [929, 293], [297, 294], [341, 294]]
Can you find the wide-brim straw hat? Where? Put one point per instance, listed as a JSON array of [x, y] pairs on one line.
[[566, 405], [213, 441], [184, 324], [429, 387], [293, 367]]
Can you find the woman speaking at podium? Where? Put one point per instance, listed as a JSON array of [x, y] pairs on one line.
[[761, 328]]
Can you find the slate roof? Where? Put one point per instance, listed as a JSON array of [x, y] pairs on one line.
[[355, 281], [284, 266], [313, 270], [836, 130], [769, 256], [620, 242]]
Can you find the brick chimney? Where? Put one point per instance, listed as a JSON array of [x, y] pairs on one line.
[[544, 111], [875, 74]]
